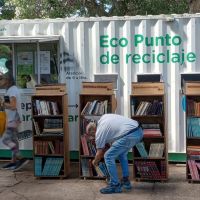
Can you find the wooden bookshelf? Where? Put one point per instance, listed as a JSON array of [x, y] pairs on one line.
[[192, 93], [147, 106], [95, 100], [50, 131]]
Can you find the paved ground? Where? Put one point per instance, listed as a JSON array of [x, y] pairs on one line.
[[23, 185]]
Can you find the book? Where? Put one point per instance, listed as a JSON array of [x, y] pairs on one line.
[[139, 108], [193, 170], [85, 167], [101, 170], [51, 146], [141, 149], [156, 150], [152, 133], [36, 126], [38, 166], [52, 130], [84, 145], [148, 170], [85, 110], [133, 105], [55, 108]]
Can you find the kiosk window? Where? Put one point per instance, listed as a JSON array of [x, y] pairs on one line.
[[5, 59], [49, 62], [28, 73]]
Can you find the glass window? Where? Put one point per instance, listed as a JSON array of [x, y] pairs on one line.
[[26, 63], [26, 57], [5, 59], [49, 62], [26, 70]]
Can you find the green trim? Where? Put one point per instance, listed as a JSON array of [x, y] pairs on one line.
[[5, 153], [177, 157], [74, 155]]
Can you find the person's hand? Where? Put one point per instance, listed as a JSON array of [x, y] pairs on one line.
[[1, 102], [94, 162], [107, 146]]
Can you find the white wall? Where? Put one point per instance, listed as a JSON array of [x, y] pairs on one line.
[[81, 52]]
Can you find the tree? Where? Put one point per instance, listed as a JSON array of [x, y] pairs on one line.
[[95, 8], [7, 10], [194, 6]]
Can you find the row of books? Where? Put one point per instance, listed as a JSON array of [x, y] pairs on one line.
[[152, 133], [53, 123], [48, 147], [88, 170], [51, 131], [151, 130], [43, 107], [194, 169], [51, 167], [150, 169], [88, 146], [193, 150], [156, 150], [193, 107], [95, 107], [193, 127], [149, 108], [194, 156]]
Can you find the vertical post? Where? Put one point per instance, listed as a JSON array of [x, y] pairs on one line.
[[38, 61]]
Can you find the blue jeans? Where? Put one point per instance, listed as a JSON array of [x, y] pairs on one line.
[[120, 149]]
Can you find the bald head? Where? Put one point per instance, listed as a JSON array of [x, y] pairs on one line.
[[91, 128]]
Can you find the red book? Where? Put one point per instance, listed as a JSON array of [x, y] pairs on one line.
[[84, 145]]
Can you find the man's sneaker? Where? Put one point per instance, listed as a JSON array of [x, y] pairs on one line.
[[111, 189], [9, 165], [19, 164], [126, 184]]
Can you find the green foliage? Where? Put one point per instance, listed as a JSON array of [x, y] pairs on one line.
[[90, 8], [7, 10]]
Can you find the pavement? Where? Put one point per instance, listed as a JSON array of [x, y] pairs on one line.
[[22, 185]]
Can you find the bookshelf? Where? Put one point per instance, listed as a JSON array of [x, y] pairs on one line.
[[192, 93], [150, 157], [95, 100], [50, 131]]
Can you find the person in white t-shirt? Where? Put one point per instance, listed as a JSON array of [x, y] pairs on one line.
[[122, 133], [12, 105]]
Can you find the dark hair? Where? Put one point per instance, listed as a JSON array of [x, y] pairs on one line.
[[10, 78]]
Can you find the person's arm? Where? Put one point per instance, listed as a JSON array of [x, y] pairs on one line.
[[1, 104], [12, 105], [99, 155]]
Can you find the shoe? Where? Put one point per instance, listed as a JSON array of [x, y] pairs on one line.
[[19, 164], [111, 189], [9, 165], [126, 184]]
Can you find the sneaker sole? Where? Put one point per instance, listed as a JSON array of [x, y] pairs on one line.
[[115, 192], [21, 166], [126, 189]]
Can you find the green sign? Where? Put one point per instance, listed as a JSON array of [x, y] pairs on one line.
[[152, 44]]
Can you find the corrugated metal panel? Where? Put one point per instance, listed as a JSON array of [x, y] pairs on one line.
[[81, 51]]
